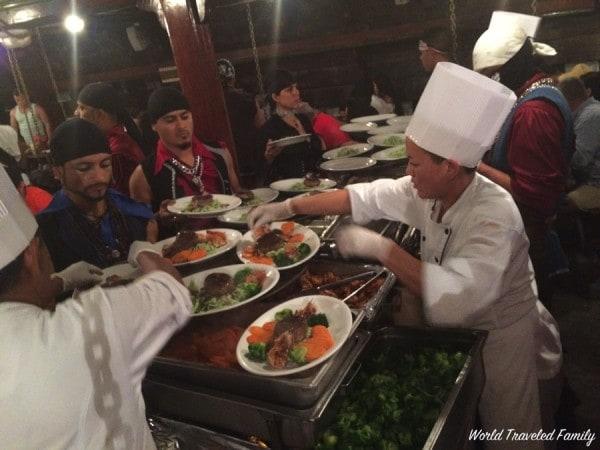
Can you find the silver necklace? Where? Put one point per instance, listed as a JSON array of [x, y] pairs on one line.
[[195, 171], [543, 82]]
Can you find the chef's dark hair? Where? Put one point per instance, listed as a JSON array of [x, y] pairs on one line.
[[279, 81], [440, 159], [9, 274]]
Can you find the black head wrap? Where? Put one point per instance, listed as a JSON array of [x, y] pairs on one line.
[[76, 138], [280, 80], [164, 100], [102, 96]]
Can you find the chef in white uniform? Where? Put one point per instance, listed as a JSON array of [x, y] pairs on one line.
[[71, 373], [475, 271]]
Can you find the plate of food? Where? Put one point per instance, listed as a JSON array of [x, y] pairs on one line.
[[374, 118], [295, 336], [400, 121], [387, 129], [258, 196], [119, 275], [358, 127], [390, 153], [237, 216], [388, 140], [311, 182], [291, 140], [190, 247], [347, 151], [229, 287], [344, 164], [280, 244], [206, 205]]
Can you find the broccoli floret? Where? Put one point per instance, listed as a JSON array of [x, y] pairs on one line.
[[257, 352], [303, 249], [298, 354], [280, 315], [250, 289], [241, 275], [281, 259], [318, 319]]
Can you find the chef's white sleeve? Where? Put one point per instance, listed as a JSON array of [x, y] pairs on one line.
[[146, 313], [462, 290], [385, 199]]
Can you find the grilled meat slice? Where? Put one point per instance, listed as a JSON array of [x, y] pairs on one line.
[[308, 311], [183, 241], [311, 180], [217, 284], [246, 196], [296, 326], [269, 242], [198, 201], [277, 356]]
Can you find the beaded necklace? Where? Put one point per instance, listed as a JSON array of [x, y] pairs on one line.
[[193, 174]]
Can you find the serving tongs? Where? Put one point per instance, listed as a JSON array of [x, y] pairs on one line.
[[364, 286], [338, 283]]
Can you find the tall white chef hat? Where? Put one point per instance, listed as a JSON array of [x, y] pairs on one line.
[[504, 37], [17, 225], [459, 114]]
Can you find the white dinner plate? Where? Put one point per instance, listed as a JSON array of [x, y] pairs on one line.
[[296, 185], [375, 118], [347, 151], [400, 121], [388, 129], [358, 127], [237, 216], [228, 201], [344, 164], [291, 140], [391, 153], [310, 238], [124, 270], [233, 237], [261, 195], [271, 279], [338, 315], [387, 140]]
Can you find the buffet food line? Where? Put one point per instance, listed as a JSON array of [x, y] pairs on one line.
[[292, 346]]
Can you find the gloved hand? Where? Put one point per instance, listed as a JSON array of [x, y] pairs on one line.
[[270, 212], [138, 247], [362, 242], [80, 274]]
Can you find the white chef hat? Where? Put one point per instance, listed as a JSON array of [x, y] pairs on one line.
[[17, 224], [504, 37], [459, 114]]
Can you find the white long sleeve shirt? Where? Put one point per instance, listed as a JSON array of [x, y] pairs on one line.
[[71, 379]]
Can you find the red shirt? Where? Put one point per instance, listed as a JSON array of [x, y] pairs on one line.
[[535, 155], [126, 156], [37, 199], [328, 128], [210, 175]]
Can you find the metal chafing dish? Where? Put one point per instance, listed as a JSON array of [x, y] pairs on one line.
[[286, 427]]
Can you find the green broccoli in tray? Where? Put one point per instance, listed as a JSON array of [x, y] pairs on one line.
[[257, 352], [394, 401]]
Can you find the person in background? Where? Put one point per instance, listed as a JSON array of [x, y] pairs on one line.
[[144, 124], [88, 221], [435, 47], [181, 165], [9, 139], [577, 71], [100, 104], [474, 270], [72, 371], [35, 198], [592, 82], [294, 160], [245, 117], [585, 164], [359, 101], [530, 157], [326, 127], [31, 122], [384, 94]]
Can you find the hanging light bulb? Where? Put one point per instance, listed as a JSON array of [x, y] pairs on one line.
[[74, 23]]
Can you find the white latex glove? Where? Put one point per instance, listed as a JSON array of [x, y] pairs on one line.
[[362, 242], [270, 212], [138, 247], [80, 274]]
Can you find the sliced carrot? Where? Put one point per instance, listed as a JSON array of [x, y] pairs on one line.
[[288, 228], [296, 238], [260, 259], [269, 326], [318, 344], [181, 257], [197, 253]]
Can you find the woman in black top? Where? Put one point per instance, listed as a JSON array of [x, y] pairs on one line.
[[293, 161]]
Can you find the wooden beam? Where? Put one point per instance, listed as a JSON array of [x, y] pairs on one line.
[[336, 42]]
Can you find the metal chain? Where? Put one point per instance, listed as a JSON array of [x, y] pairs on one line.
[[50, 71], [21, 89], [254, 50], [452, 13], [534, 7]]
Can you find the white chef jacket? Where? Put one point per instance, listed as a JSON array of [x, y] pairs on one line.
[[477, 274], [72, 378], [381, 105], [9, 141]]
